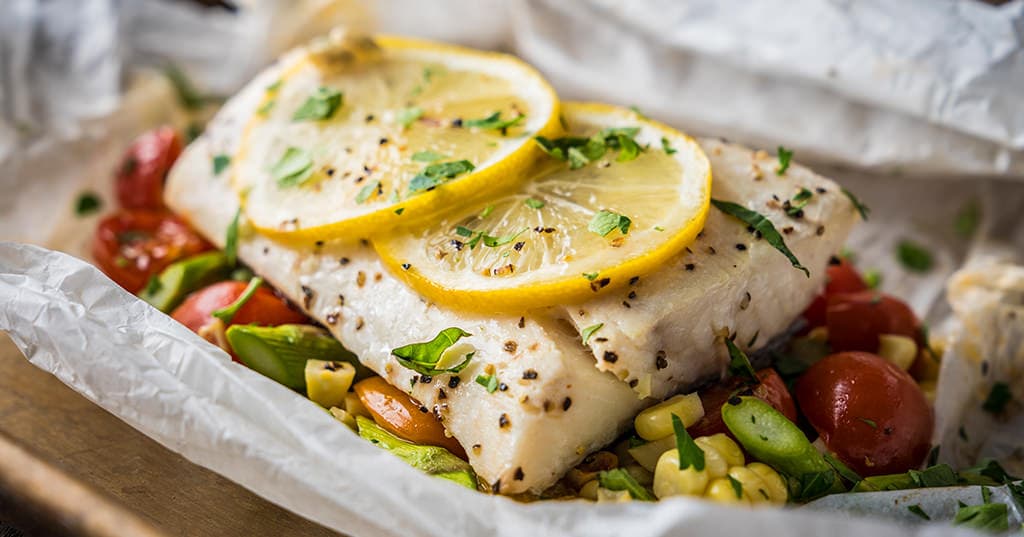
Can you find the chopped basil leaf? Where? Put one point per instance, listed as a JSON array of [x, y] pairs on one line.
[[636, 110], [494, 242], [669, 150], [487, 211], [422, 357], [739, 364], [426, 156], [435, 174], [940, 475], [368, 190], [604, 222], [869, 422], [494, 121], [799, 201], [690, 454], [916, 509], [785, 156], [576, 158], [762, 225], [320, 105], [488, 381], [231, 239], [861, 208], [534, 203], [589, 331], [873, 279], [399, 211], [619, 479], [220, 163], [581, 151], [998, 397], [294, 168], [967, 219], [88, 203], [737, 487], [914, 257], [590, 275], [407, 116], [188, 95], [228, 312], [815, 484], [628, 148], [991, 517]]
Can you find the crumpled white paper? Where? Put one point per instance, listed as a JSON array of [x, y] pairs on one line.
[[183, 392]]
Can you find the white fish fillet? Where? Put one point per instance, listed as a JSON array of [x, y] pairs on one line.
[[524, 436]]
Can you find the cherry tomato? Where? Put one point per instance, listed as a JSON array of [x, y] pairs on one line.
[[401, 415], [132, 245], [840, 277], [771, 390], [869, 412], [264, 307], [140, 178], [855, 320]]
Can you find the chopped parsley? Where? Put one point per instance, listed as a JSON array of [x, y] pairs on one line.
[[619, 479], [220, 163], [604, 222], [476, 237], [916, 509], [231, 239], [998, 397], [785, 156], [228, 312], [266, 107], [967, 218], [486, 212], [436, 174], [371, 188], [636, 110], [737, 487], [940, 475], [188, 95], [913, 256], [399, 211], [423, 357], [762, 225], [579, 152], [873, 279], [494, 121], [669, 150], [488, 381], [690, 454], [294, 168], [534, 203], [590, 331], [407, 116], [426, 156], [739, 364], [861, 208], [590, 275], [799, 201], [869, 422], [88, 203], [321, 105]]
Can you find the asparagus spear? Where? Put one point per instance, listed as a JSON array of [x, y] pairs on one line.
[[281, 352], [436, 461], [167, 290]]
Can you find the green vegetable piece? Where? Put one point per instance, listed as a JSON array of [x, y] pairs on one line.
[[916, 509], [967, 219], [785, 156], [619, 479], [281, 352], [371, 188], [739, 364], [690, 454], [231, 239], [799, 201], [88, 203], [220, 163], [667, 147], [494, 121], [423, 357], [914, 257], [293, 169], [990, 517], [737, 487], [604, 222], [171, 286], [488, 381], [842, 469], [940, 475], [885, 482], [426, 156], [762, 225], [771, 438], [437, 173], [590, 331], [534, 203], [998, 397], [227, 313], [407, 116], [320, 105], [188, 96], [433, 460]]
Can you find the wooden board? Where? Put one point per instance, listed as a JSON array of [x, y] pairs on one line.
[[58, 426]]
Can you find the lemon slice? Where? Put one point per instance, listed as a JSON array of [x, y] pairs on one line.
[[621, 196], [360, 135]]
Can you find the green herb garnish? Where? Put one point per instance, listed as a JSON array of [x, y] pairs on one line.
[[371, 188], [737, 487], [321, 105], [589, 331], [762, 225], [785, 156], [494, 121], [967, 219], [914, 257], [604, 222], [739, 364], [861, 208], [998, 397], [231, 239], [916, 509], [488, 381], [619, 479], [422, 357], [188, 95], [799, 201], [873, 279], [426, 156], [690, 454], [220, 163], [870, 423], [590, 275], [486, 212], [579, 152], [228, 312], [669, 150], [435, 174], [294, 168], [407, 116], [88, 203], [991, 517], [534, 203]]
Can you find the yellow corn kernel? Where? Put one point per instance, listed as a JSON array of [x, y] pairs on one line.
[[725, 446], [589, 490], [669, 480], [775, 486], [612, 496], [714, 463], [344, 417], [656, 422], [720, 490], [900, 350], [647, 454], [355, 407], [751, 484]]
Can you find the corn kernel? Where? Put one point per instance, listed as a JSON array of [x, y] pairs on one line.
[[355, 407], [714, 463], [725, 446], [669, 480], [656, 422], [774, 484], [647, 454], [752, 486], [589, 490], [720, 490], [900, 350]]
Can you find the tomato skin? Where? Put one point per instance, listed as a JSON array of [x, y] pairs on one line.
[[771, 390], [264, 307], [140, 178], [840, 277], [132, 245], [855, 320], [843, 390], [401, 415]]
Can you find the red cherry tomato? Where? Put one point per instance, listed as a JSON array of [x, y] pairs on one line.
[[132, 245], [771, 390], [869, 412], [140, 178], [840, 277], [264, 307], [855, 320]]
